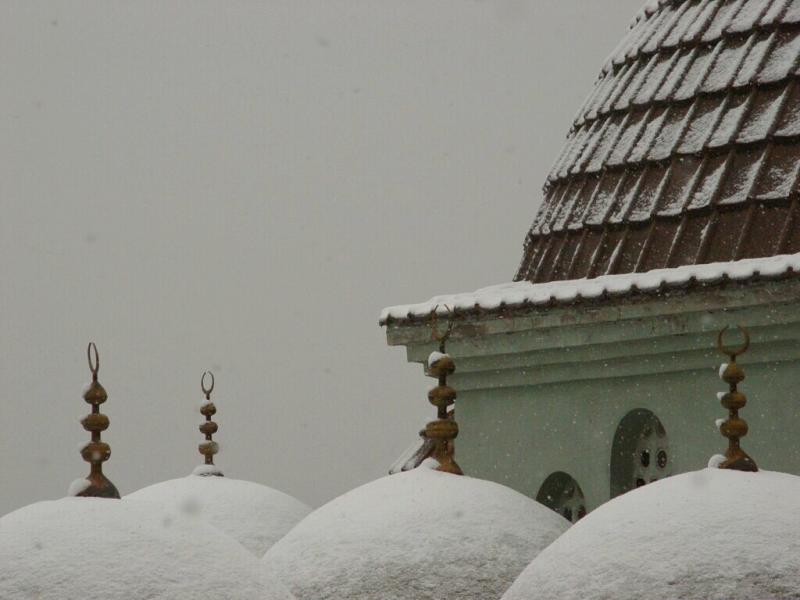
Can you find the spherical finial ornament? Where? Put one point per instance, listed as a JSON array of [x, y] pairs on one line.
[[95, 452], [208, 448], [734, 428]]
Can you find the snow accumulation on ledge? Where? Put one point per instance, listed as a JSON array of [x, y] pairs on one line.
[[562, 292]]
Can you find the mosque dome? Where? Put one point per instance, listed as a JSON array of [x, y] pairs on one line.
[[426, 533], [103, 549], [415, 535], [726, 532], [255, 515], [713, 533], [96, 546], [686, 151]]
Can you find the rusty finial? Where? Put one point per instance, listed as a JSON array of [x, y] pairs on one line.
[[441, 337], [96, 452], [444, 430], [733, 427], [208, 448]]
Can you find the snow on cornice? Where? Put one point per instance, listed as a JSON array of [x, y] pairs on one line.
[[521, 293]]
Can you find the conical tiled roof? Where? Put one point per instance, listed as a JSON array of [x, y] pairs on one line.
[[687, 151]]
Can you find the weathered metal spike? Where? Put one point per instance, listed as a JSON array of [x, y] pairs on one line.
[[208, 448], [734, 427], [96, 452]]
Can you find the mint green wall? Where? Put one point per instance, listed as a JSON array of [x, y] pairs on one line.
[[544, 391], [518, 436]]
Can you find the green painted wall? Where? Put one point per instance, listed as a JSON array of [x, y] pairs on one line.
[[545, 391]]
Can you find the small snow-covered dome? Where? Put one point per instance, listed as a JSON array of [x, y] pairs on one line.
[[417, 535], [255, 515], [94, 548], [425, 534], [714, 533]]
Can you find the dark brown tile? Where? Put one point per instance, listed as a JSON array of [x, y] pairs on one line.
[[693, 229], [683, 178], [607, 251], [725, 236], [705, 192], [566, 256], [604, 198], [738, 183], [761, 238], [752, 63], [789, 122], [659, 244], [591, 241], [632, 248], [778, 178], [722, 19], [782, 58], [670, 132], [792, 13], [764, 111], [582, 202], [721, 75], [647, 197]]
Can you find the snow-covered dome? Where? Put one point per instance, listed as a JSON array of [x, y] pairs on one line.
[[417, 535], [710, 534], [425, 534], [728, 532], [255, 515], [94, 548]]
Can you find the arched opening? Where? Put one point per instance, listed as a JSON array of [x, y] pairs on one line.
[[640, 453], [561, 493]]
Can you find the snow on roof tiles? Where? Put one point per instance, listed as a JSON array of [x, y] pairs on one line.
[[525, 293], [687, 150]]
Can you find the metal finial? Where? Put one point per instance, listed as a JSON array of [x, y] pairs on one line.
[[208, 448], [96, 452], [207, 390], [734, 428], [444, 430], [441, 337], [94, 364]]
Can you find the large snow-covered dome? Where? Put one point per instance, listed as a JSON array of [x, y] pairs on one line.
[[255, 515], [418, 535], [92, 548], [710, 534]]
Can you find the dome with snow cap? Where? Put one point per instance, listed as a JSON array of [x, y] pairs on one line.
[[417, 535], [727, 532], [427, 533], [710, 534], [255, 515], [94, 548]]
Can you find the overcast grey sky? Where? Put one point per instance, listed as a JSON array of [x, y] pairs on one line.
[[242, 186]]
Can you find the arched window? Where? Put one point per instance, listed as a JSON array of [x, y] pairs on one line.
[[640, 453], [562, 493]]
